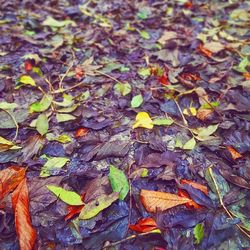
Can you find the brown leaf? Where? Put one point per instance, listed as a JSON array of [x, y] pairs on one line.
[[155, 201], [20, 202], [9, 179], [235, 155]]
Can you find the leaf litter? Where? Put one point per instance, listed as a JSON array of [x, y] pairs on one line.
[[133, 134]]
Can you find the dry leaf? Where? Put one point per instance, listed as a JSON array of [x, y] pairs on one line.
[[204, 114], [155, 201], [144, 225], [235, 155], [201, 187], [25, 231], [167, 35]]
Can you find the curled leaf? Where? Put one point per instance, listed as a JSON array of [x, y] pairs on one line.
[[144, 225]]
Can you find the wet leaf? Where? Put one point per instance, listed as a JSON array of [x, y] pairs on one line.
[[144, 225], [42, 124], [198, 233], [25, 231], [65, 117], [119, 182], [50, 21], [53, 164], [26, 80], [136, 101], [143, 120], [190, 144], [94, 207], [123, 88], [155, 201], [69, 197], [163, 122], [42, 105]]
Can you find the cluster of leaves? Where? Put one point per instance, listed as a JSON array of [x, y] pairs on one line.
[[124, 125]]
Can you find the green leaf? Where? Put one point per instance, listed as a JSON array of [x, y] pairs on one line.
[[94, 207], [198, 233], [67, 101], [144, 72], [65, 117], [137, 101], [35, 57], [6, 105], [122, 88], [42, 124], [210, 105], [50, 21], [118, 181], [144, 34], [27, 80], [66, 196], [41, 105], [204, 133], [190, 144], [143, 13], [163, 121], [53, 164]]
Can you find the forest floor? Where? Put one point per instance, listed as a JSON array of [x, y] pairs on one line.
[[124, 124]]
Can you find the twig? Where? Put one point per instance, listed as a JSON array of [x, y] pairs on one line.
[[221, 201], [183, 118], [134, 236], [104, 74], [64, 75]]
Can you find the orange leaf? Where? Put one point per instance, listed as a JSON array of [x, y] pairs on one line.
[[246, 75], [205, 51], [202, 188], [9, 179], [73, 210], [20, 202], [81, 132], [190, 204], [204, 114], [144, 225], [155, 200], [235, 155]]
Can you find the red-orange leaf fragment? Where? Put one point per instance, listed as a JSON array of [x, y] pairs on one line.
[[201, 187], [81, 132], [205, 51], [73, 210], [246, 75], [25, 232], [155, 201], [235, 155], [144, 225], [190, 204], [9, 179], [28, 65]]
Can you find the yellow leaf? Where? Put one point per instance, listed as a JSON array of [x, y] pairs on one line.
[[143, 120], [190, 111], [155, 201]]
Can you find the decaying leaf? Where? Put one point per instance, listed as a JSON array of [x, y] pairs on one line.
[[155, 201], [94, 207], [144, 225], [25, 231]]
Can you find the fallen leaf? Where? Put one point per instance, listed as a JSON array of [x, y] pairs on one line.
[[235, 155], [94, 207], [8, 106], [137, 101], [163, 121], [53, 164], [42, 124], [41, 105], [204, 114], [50, 21], [198, 233], [69, 197], [64, 117], [205, 51], [10, 179], [119, 182], [144, 72], [143, 120], [190, 144], [123, 88], [166, 36], [6, 145], [25, 232], [201, 187], [214, 47], [191, 203], [155, 201], [80, 132], [27, 80], [144, 225]]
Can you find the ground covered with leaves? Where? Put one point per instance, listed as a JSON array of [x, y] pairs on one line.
[[124, 124]]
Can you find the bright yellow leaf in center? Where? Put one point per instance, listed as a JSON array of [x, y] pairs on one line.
[[143, 120]]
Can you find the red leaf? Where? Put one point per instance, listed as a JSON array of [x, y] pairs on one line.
[[164, 80], [25, 231], [9, 179], [190, 204], [81, 132], [28, 65], [205, 51], [202, 188], [73, 210], [144, 225]]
